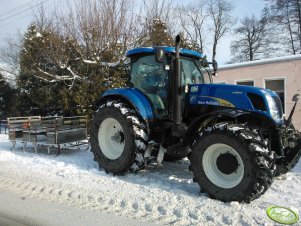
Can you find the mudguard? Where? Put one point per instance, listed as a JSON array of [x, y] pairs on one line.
[[136, 98], [254, 119]]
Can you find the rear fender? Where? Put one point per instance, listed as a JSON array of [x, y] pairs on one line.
[[240, 116], [134, 97]]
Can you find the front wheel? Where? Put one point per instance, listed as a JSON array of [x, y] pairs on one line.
[[232, 163], [292, 154], [118, 138]]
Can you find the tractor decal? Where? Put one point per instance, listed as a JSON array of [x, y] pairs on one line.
[[207, 100]]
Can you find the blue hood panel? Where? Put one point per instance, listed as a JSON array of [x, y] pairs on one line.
[[228, 96]]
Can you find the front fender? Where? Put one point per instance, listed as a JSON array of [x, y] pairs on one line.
[[136, 98], [240, 116]]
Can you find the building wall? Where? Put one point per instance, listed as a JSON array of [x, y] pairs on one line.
[[259, 71]]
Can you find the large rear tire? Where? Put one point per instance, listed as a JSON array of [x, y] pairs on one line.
[[232, 163], [118, 138]]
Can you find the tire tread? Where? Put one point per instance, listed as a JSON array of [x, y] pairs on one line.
[[265, 163]]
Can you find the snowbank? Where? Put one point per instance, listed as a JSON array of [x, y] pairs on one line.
[[162, 196]]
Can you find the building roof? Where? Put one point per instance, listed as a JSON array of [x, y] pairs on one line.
[[259, 62], [150, 50]]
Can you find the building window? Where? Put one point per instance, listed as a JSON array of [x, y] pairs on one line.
[[245, 83], [277, 85]]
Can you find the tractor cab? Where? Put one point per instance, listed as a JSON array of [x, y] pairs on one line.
[[153, 69]]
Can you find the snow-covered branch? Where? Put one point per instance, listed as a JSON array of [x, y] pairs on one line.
[[104, 64], [54, 78]]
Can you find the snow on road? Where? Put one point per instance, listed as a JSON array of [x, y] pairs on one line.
[[161, 196], [23, 211]]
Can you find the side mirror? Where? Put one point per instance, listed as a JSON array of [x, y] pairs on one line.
[[160, 55], [215, 67]]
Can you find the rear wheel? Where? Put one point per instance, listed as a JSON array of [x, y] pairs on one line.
[[232, 163], [118, 138]]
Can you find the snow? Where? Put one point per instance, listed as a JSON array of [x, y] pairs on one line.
[[90, 61], [258, 62], [105, 64], [158, 195], [39, 35], [18, 211], [8, 74]]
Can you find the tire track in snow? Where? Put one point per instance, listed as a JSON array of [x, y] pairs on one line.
[[152, 195], [142, 209]]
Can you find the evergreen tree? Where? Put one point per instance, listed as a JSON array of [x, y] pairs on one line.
[[34, 91], [158, 34], [54, 74], [7, 99]]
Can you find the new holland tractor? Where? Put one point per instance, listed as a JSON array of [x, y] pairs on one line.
[[236, 137]]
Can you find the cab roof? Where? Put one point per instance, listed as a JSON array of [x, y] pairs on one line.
[[151, 50]]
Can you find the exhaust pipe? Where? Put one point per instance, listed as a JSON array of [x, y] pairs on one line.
[[176, 86]]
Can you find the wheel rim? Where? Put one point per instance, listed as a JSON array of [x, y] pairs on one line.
[[223, 165], [111, 138]]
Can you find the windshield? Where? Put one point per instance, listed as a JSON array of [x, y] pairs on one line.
[[205, 71], [193, 73]]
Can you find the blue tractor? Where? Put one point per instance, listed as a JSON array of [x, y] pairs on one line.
[[235, 137]]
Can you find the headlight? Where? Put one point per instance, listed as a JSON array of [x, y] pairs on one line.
[[274, 110]]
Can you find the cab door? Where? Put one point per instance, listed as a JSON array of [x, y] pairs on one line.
[[150, 77]]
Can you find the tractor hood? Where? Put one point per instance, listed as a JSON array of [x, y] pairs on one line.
[[248, 98]]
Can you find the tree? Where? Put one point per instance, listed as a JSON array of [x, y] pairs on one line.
[[192, 19], [223, 21], [287, 15], [252, 41], [204, 19], [35, 89], [10, 53], [158, 34], [7, 98], [68, 60], [70, 55], [154, 24]]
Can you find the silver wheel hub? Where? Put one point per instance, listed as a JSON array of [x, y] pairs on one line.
[[111, 138], [223, 165]]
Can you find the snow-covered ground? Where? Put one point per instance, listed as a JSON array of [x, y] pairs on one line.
[[159, 195], [20, 210]]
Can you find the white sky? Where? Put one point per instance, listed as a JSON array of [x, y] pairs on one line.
[[20, 18]]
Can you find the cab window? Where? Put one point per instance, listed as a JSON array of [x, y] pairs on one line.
[[193, 73], [150, 77]]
